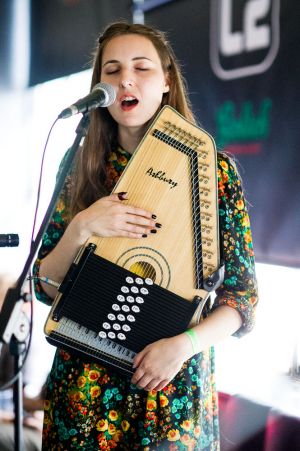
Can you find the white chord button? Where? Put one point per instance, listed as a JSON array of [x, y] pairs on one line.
[[120, 298], [111, 335], [130, 299], [135, 309], [116, 326], [139, 300], [131, 318], [116, 307], [149, 281], [144, 291], [125, 289], [106, 325], [126, 328], [135, 289], [102, 334], [125, 308], [139, 281], [111, 316], [121, 317], [121, 336], [129, 279]]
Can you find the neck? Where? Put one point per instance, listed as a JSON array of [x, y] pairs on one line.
[[129, 138]]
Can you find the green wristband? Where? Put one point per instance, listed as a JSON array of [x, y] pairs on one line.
[[194, 340]]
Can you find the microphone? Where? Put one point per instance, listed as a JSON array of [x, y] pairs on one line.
[[9, 240], [102, 95]]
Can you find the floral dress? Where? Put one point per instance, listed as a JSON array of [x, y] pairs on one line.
[[90, 407]]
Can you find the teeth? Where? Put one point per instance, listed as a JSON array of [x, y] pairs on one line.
[[128, 98]]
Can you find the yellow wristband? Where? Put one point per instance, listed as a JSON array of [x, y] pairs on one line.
[[194, 339]]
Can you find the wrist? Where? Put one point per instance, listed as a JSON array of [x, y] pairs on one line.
[[183, 346], [191, 334], [79, 227]]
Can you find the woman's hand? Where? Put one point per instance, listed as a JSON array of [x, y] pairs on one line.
[[109, 216], [159, 362]]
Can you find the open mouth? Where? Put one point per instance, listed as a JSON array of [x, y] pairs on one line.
[[128, 103]]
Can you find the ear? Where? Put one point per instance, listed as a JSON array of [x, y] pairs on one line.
[[167, 84]]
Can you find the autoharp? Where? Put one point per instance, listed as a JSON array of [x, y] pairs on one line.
[[121, 294]]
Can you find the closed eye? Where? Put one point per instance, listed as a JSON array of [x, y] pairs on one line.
[[114, 71]]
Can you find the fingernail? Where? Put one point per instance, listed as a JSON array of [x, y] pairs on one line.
[[144, 236], [122, 195], [158, 225], [153, 231], [153, 216]]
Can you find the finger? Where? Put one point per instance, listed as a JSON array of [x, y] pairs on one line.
[[152, 384], [136, 210], [129, 208], [139, 358], [161, 385], [122, 195], [141, 221], [139, 212], [132, 228], [131, 211], [139, 373], [144, 381], [127, 234]]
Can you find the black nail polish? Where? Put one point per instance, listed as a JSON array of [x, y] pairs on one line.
[[153, 231], [153, 216], [144, 236], [122, 195], [158, 225]]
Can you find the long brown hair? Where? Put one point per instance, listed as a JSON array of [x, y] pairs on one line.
[[89, 182]]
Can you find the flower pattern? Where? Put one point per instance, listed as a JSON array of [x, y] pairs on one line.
[[90, 407]]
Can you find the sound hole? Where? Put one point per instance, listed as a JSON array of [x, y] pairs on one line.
[[143, 269]]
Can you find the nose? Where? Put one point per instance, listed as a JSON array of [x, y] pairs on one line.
[[126, 83]]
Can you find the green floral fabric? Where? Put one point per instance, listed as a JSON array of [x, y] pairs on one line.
[[90, 407]]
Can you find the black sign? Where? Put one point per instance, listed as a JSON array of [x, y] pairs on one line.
[[241, 62]]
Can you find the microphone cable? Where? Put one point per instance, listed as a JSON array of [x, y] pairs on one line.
[[29, 278]]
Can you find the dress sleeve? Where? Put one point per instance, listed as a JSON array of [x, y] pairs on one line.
[[239, 288], [53, 234]]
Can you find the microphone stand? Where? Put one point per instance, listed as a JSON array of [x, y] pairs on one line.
[[14, 324]]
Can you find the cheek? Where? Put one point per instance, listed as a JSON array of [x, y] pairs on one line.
[[154, 90], [112, 111], [104, 79]]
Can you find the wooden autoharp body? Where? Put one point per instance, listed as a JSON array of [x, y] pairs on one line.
[[172, 174]]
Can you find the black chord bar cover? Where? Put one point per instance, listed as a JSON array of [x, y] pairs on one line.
[[131, 310]]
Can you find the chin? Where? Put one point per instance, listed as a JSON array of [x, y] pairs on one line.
[[134, 122]]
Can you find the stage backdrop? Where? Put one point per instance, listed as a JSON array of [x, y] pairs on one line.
[[241, 62]]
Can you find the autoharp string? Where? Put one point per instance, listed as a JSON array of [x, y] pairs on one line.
[[196, 144], [182, 140], [189, 145], [144, 268], [170, 136], [192, 145]]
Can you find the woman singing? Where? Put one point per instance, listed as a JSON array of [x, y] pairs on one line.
[[170, 403]]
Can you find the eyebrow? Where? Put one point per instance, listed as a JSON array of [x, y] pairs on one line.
[[133, 59]]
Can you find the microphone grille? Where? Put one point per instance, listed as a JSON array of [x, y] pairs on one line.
[[109, 91]]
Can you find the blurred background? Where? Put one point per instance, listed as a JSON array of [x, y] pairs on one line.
[[240, 60]]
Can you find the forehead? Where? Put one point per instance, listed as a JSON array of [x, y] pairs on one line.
[[129, 46]]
